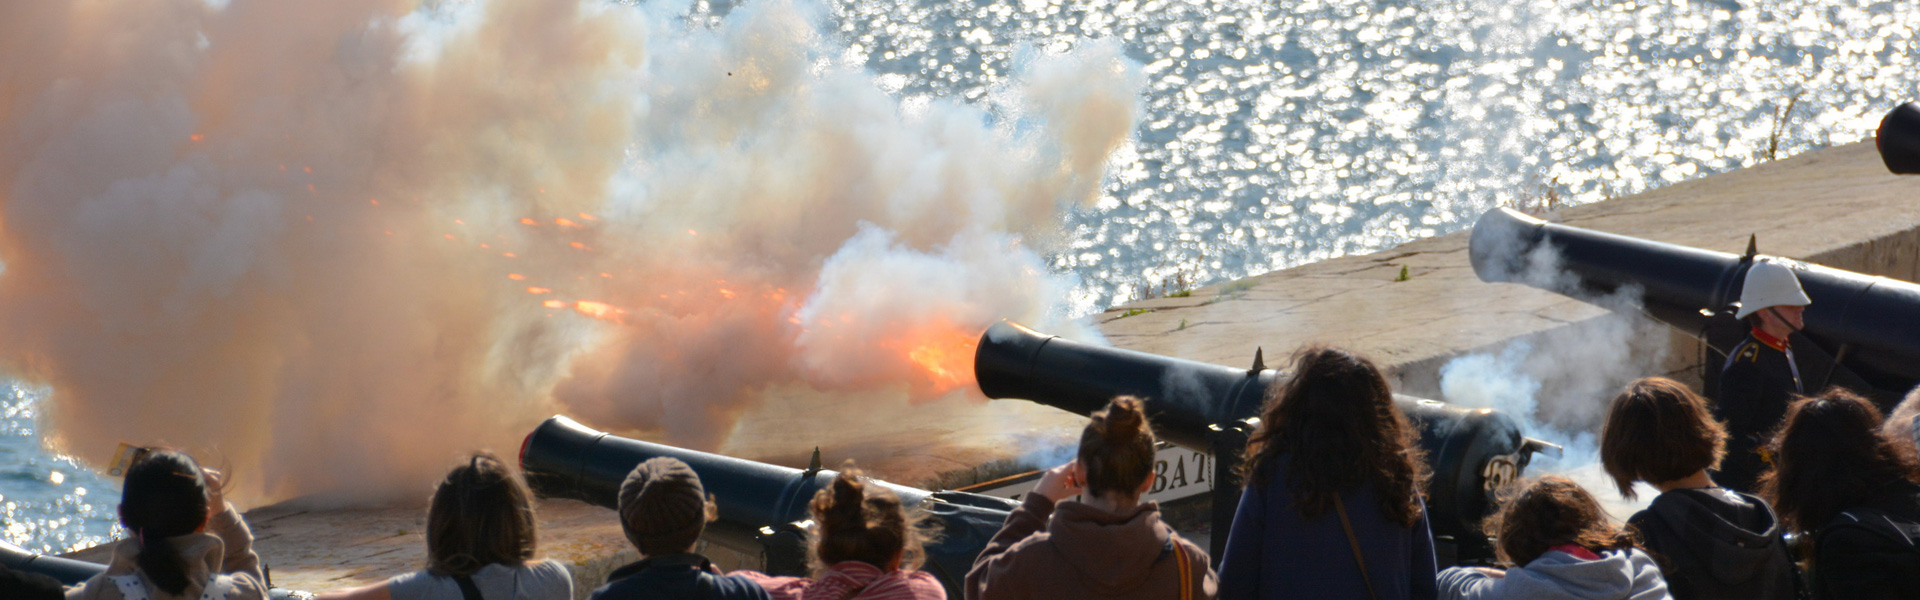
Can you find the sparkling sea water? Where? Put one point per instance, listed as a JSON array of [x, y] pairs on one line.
[[1283, 133]]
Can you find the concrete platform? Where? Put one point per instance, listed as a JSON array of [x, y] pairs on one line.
[[1839, 207]]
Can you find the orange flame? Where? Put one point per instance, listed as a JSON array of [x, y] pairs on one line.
[[539, 290], [554, 304], [529, 221], [516, 277], [945, 356], [599, 310], [196, 137]]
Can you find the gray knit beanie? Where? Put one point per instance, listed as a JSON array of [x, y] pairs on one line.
[[662, 506]]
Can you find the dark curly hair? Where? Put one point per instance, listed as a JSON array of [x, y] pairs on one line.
[[866, 523], [1658, 430], [1335, 423], [1551, 511], [1828, 454]]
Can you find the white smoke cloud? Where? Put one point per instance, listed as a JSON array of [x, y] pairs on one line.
[[339, 243], [1558, 385]]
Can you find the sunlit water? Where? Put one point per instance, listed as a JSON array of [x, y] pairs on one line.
[[1282, 133]]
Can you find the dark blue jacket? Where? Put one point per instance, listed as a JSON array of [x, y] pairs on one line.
[[1273, 552], [677, 577]]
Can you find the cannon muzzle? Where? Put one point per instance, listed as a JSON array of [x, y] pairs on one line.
[[1472, 452], [1872, 324], [761, 506]]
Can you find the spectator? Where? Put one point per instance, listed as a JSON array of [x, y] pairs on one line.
[[867, 547], [1109, 544], [27, 585], [1852, 491], [1712, 542], [1903, 423], [1565, 548], [663, 510], [1333, 506], [481, 543], [187, 541]]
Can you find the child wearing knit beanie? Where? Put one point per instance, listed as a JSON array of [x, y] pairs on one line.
[[663, 510]]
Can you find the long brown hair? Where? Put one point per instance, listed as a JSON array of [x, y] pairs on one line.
[[1549, 512], [1828, 454], [1116, 448], [1335, 423], [164, 496], [1658, 430], [866, 523], [481, 514]]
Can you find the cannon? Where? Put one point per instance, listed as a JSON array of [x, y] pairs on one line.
[[1871, 324], [760, 505], [1472, 452], [1898, 139], [70, 572]]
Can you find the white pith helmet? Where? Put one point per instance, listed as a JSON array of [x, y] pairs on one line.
[[1770, 284]]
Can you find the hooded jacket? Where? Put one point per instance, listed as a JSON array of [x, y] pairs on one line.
[[223, 552], [1556, 575], [1086, 552], [1717, 543], [1870, 550], [677, 577]]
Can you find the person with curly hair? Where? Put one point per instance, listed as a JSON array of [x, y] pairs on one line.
[[1854, 491], [1334, 502], [1108, 544], [867, 546], [1561, 546]]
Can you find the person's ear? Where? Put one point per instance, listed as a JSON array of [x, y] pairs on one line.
[[1080, 474]]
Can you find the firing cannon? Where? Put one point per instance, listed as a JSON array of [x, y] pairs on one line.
[[70, 572], [761, 505], [1871, 324], [1472, 452]]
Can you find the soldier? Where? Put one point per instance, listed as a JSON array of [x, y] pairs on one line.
[[1768, 368]]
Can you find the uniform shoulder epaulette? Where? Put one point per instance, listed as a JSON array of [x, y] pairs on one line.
[[1748, 353]]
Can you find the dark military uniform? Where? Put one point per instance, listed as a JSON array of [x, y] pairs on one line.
[[1756, 384]]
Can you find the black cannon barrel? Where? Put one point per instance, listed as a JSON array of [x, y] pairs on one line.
[[1872, 323], [1472, 452], [70, 572], [757, 501]]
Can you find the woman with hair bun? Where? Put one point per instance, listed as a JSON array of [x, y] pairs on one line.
[[186, 543], [1108, 544], [1334, 502], [867, 546]]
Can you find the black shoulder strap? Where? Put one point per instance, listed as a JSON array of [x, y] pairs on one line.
[[467, 589]]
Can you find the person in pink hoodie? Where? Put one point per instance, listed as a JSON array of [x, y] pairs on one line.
[[867, 547]]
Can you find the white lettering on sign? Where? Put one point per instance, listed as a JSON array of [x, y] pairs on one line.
[[1177, 473]]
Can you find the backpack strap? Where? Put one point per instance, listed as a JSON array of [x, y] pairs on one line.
[[468, 591], [1340, 506], [1186, 571]]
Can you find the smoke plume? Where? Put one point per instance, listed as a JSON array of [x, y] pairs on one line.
[[1559, 384], [339, 243]]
